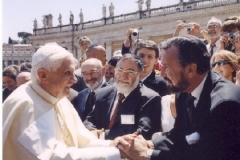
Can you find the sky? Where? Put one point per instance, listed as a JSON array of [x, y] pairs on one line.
[[18, 15]]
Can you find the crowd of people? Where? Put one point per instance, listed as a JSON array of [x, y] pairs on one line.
[[176, 100]]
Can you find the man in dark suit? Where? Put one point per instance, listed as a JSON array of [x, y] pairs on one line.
[[139, 109], [207, 126], [149, 52], [93, 74], [93, 51]]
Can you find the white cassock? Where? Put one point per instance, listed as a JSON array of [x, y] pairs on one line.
[[37, 125]]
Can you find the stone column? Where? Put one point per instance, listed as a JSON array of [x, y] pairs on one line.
[[109, 49]]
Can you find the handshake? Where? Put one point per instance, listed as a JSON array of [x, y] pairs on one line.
[[133, 146]]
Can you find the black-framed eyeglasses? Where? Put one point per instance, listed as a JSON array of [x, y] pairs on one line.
[[220, 63], [91, 73]]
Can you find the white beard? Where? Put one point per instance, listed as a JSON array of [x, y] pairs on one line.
[[126, 89]]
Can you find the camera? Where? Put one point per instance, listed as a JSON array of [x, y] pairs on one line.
[[135, 32], [187, 26]]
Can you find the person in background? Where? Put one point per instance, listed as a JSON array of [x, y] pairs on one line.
[[110, 69], [93, 74], [9, 76], [238, 73], [214, 28], [23, 77], [231, 25], [148, 51], [236, 38], [98, 52], [39, 122], [127, 46], [225, 63], [25, 67], [84, 42], [127, 106]]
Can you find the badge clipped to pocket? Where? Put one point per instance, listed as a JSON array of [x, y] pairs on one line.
[[127, 119]]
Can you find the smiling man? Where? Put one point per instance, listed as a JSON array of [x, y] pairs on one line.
[[214, 29], [39, 122], [149, 53], [93, 74], [126, 107]]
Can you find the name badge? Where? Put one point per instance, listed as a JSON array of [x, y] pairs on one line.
[[127, 119]]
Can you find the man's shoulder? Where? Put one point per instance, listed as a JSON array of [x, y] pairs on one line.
[[145, 91], [224, 90]]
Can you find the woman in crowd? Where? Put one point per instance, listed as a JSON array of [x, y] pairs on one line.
[[9, 75], [230, 28], [225, 63]]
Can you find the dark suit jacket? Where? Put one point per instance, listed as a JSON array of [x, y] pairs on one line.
[[80, 102], [80, 84], [156, 83], [142, 102], [216, 119]]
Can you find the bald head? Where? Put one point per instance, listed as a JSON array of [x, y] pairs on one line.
[[93, 73], [97, 52], [23, 77]]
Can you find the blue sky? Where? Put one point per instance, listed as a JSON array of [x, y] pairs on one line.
[[17, 15]]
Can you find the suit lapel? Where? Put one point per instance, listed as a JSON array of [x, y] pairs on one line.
[[128, 104], [204, 104]]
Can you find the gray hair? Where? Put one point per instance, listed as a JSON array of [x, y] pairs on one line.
[[215, 20]]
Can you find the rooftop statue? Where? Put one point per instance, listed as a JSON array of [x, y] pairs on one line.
[[104, 10], [140, 3], [111, 10], [71, 17]]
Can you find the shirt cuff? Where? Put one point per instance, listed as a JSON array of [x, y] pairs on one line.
[[114, 154]]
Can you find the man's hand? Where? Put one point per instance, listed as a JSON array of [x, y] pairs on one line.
[[137, 150], [178, 29], [97, 132], [224, 40]]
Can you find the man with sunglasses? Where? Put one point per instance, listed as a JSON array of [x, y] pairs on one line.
[[93, 74], [126, 107]]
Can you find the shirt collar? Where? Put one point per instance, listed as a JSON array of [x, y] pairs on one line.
[[197, 91], [143, 79], [42, 93]]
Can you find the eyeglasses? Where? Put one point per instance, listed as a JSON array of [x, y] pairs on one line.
[[91, 73], [128, 72], [220, 63], [213, 27]]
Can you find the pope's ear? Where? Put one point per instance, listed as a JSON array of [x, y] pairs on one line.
[[43, 75]]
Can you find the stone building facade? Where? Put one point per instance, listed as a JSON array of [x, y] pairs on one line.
[[16, 54], [157, 24]]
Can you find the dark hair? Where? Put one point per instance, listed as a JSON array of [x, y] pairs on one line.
[[113, 61], [230, 23], [25, 67], [190, 50], [151, 45], [11, 72], [134, 58]]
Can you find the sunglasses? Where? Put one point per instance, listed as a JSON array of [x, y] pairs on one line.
[[220, 63]]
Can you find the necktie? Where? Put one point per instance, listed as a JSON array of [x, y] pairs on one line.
[[121, 97], [211, 51], [91, 98], [191, 106]]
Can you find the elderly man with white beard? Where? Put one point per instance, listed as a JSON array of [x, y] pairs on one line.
[[93, 73], [214, 30], [127, 106]]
